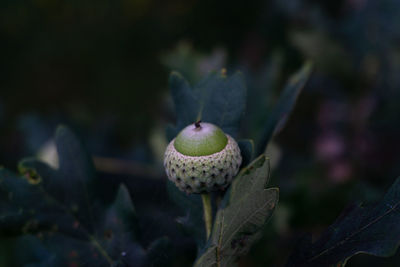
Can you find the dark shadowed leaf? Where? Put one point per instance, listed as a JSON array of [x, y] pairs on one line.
[[158, 253], [117, 233], [187, 105], [192, 222], [216, 99], [60, 208], [245, 209], [285, 104], [247, 150], [371, 230], [34, 253], [170, 132], [73, 183], [25, 207]]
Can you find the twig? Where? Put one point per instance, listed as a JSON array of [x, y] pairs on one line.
[[118, 166]]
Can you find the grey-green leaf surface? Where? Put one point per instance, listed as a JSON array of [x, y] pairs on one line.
[[217, 99], [373, 230], [246, 208], [284, 107]]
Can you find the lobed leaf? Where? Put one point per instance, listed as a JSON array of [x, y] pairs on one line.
[[216, 99], [245, 209], [26, 208], [187, 105], [63, 209], [370, 230], [72, 184], [284, 107]]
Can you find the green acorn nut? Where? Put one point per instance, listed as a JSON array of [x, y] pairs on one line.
[[202, 158]]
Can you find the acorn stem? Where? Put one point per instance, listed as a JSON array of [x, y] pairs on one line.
[[197, 124], [207, 213]]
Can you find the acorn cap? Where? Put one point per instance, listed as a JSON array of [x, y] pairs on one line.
[[202, 158], [200, 139]]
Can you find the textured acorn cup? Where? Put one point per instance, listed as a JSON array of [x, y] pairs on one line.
[[202, 158]]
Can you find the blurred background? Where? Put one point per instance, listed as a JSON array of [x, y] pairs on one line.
[[101, 67]]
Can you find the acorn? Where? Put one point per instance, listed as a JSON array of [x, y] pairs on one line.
[[202, 158]]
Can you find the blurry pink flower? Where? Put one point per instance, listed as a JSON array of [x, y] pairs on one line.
[[329, 146]]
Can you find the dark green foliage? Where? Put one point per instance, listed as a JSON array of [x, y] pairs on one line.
[[26, 208], [371, 230], [192, 221], [285, 104], [244, 211], [247, 205], [247, 150], [35, 253], [73, 183], [60, 208], [216, 99], [64, 211]]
